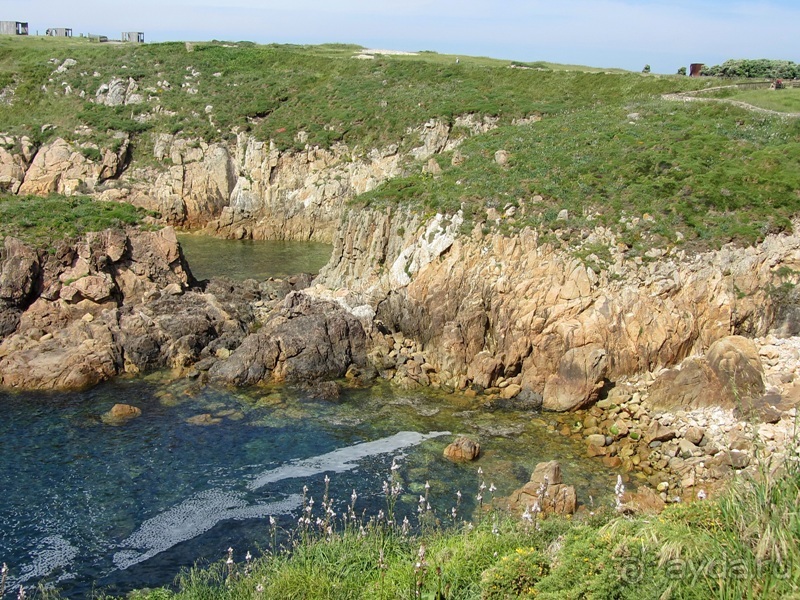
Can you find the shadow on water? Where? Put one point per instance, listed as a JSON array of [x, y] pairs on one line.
[[127, 505]]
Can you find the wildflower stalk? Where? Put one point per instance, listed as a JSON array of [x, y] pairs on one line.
[[3, 576]]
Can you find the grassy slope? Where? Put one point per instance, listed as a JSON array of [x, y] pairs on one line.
[[713, 172], [746, 544], [43, 221], [267, 89], [785, 100]]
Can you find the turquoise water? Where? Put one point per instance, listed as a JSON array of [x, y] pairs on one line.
[[88, 504], [243, 259]]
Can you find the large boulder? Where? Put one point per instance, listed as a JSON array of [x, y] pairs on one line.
[[463, 449], [729, 376], [736, 363], [579, 380], [306, 339], [546, 491]]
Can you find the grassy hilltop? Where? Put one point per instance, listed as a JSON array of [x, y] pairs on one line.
[[608, 148]]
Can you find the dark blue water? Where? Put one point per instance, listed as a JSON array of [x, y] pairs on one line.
[[88, 504]]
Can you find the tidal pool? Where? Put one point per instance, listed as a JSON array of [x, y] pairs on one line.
[[251, 259], [91, 504]]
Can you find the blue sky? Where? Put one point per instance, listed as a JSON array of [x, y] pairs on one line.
[[602, 33]]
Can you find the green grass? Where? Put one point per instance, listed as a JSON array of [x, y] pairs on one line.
[[746, 544], [706, 174], [276, 91], [714, 173], [786, 100], [43, 221]]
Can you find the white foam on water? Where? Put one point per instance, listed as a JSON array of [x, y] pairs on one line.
[[343, 459], [52, 554], [202, 511], [194, 517]]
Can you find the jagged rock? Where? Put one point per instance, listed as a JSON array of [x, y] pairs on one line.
[[73, 335], [490, 305], [304, 340], [545, 490], [580, 378], [119, 92], [60, 167], [19, 273], [730, 376], [462, 449], [12, 171]]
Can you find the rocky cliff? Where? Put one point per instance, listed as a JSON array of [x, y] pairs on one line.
[[241, 188], [491, 311]]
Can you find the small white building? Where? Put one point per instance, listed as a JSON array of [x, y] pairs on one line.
[[59, 32], [136, 37], [13, 28]]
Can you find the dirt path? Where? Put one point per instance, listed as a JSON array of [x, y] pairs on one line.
[[693, 96]]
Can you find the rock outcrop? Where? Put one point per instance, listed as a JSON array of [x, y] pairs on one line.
[[244, 188], [490, 311], [546, 492], [63, 167], [305, 339], [463, 449]]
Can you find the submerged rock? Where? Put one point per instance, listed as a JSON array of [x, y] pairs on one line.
[[203, 420], [120, 414]]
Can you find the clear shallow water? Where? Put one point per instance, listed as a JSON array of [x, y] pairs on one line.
[[249, 259], [90, 505]]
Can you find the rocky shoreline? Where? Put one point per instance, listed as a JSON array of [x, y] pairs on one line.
[[622, 351], [125, 302]]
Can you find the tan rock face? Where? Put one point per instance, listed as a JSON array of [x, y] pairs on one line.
[[12, 170], [730, 375], [69, 336], [462, 449], [488, 308], [545, 492], [60, 167]]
